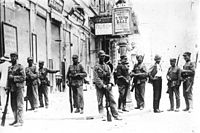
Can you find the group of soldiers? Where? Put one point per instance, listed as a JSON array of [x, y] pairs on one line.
[[36, 82], [105, 77], [137, 78]]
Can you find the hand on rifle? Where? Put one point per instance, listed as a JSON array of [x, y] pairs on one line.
[[11, 76]]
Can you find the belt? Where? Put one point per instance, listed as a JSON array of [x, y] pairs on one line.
[[158, 77]]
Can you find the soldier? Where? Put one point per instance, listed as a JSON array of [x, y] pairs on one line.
[[32, 84], [188, 73], [44, 83], [155, 77], [16, 78], [139, 74], [174, 81], [75, 76], [123, 82], [102, 81]]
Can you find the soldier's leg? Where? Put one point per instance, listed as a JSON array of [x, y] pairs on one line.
[[157, 89], [185, 86], [177, 95], [100, 93], [40, 92], [142, 92], [113, 105], [46, 97], [137, 93], [35, 96], [155, 94], [30, 95], [20, 105], [124, 97], [14, 106], [190, 98], [171, 98], [121, 92], [74, 95], [80, 98]]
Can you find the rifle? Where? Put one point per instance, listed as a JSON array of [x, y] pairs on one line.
[[5, 109], [196, 61], [177, 60], [109, 117]]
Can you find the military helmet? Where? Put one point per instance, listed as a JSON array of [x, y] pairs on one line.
[[101, 52], [173, 60], [157, 58], [41, 62], [75, 56], [14, 53], [187, 54], [29, 59]]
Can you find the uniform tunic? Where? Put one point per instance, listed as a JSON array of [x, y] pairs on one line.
[[76, 83], [32, 86], [123, 79], [139, 83], [102, 76], [43, 87], [16, 85], [188, 80], [174, 79]]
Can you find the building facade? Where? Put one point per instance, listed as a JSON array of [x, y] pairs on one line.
[[47, 30]]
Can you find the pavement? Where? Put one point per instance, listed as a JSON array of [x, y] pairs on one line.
[[57, 118]]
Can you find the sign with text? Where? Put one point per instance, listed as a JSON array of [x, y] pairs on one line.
[[122, 20], [57, 5], [103, 29], [9, 38], [103, 25]]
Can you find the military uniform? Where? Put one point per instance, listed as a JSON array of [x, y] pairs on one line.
[[16, 78], [75, 76], [139, 79], [155, 77], [123, 82], [32, 85], [44, 83], [174, 80], [188, 80], [102, 77]]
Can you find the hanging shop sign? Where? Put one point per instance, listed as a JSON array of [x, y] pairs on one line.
[[103, 25], [10, 38], [57, 5], [122, 21]]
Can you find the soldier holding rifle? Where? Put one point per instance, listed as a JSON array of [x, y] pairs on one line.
[[102, 81], [32, 84], [75, 76], [187, 74], [16, 78], [123, 82], [139, 74], [174, 81]]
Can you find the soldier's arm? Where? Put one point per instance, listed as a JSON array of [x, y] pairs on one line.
[[30, 74], [191, 71], [142, 74], [179, 76], [52, 71], [82, 73], [97, 81], [21, 75]]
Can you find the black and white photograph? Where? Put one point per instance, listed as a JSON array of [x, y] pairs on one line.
[[97, 66]]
